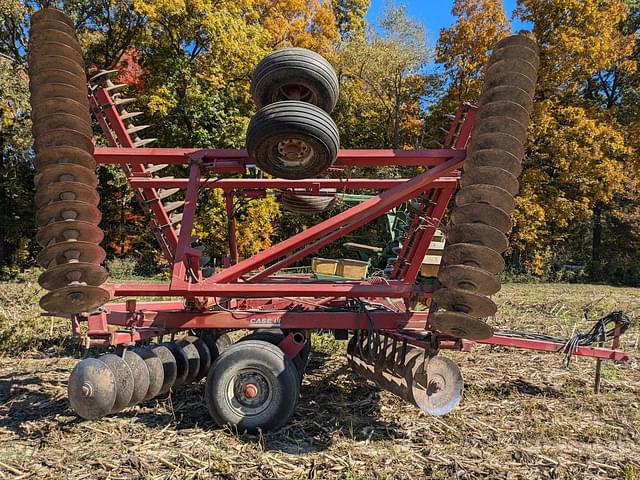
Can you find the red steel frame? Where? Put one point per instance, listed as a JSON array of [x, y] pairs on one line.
[[246, 294]]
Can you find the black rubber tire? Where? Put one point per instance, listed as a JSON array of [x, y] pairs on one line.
[[273, 366], [274, 337], [306, 204], [291, 120], [295, 67]]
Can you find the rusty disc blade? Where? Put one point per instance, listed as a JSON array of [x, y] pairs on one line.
[[48, 90], [56, 121], [437, 391], [67, 172], [41, 50], [478, 234], [460, 325], [482, 213], [469, 278], [518, 39], [501, 125], [68, 210], [60, 155], [74, 299], [49, 62], [475, 256], [169, 367], [82, 273], [92, 389], [521, 66], [140, 373], [457, 300], [54, 24], [69, 230], [156, 371], [515, 52], [54, 105], [182, 362], [503, 108], [494, 158], [507, 93], [49, 13], [510, 78], [64, 137], [57, 75], [124, 380], [498, 141], [43, 35], [490, 176], [203, 352], [488, 194], [65, 252], [58, 191]]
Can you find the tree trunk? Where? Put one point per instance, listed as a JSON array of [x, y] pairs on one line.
[[396, 119]]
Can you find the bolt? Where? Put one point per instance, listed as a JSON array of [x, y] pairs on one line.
[[250, 391]]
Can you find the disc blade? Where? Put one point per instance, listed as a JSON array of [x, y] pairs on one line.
[[64, 155], [169, 367], [474, 256], [182, 362], [43, 35], [48, 62], [518, 39], [482, 213], [457, 300], [68, 210], [48, 89], [460, 325], [515, 79], [501, 125], [140, 374], [64, 191], [91, 389], [67, 172], [478, 234], [49, 13], [64, 137], [498, 141], [53, 24], [494, 158], [521, 66], [124, 380], [487, 194], [437, 391], [74, 299], [60, 105], [203, 352], [61, 120], [79, 272], [69, 230], [515, 52], [193, 360], [41, 50], [156, 371], [469, 278], [64, 252], [509, 93], [503, 109], [57, 75], [490, 176]]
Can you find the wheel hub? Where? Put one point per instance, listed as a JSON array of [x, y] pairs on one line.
[[249, 393], [293, 149]]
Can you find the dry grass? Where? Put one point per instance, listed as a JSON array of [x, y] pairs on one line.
[[523, 416]]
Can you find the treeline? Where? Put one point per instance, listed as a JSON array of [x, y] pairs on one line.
[[189, 63]]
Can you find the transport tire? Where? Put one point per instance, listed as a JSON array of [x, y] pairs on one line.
[[306, 204], [252, 386], [274, 337], [292, 140], [295, 74]]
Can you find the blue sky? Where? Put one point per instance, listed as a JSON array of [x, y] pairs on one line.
[[434, 14]]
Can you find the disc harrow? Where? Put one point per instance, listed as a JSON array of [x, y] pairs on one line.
[[254, 383], [482, 215], [66, 195]]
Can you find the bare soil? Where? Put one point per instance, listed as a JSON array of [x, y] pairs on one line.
[[524, 416]]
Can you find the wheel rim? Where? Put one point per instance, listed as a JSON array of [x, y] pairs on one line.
[[249, 393], [294, 91], [294, 151]]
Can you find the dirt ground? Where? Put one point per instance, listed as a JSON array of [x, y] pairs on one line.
[[524, 416]]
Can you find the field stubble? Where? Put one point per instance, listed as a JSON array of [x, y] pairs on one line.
[[523, 415]]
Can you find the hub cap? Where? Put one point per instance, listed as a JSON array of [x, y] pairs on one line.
[[293, 151], [249, 393]]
